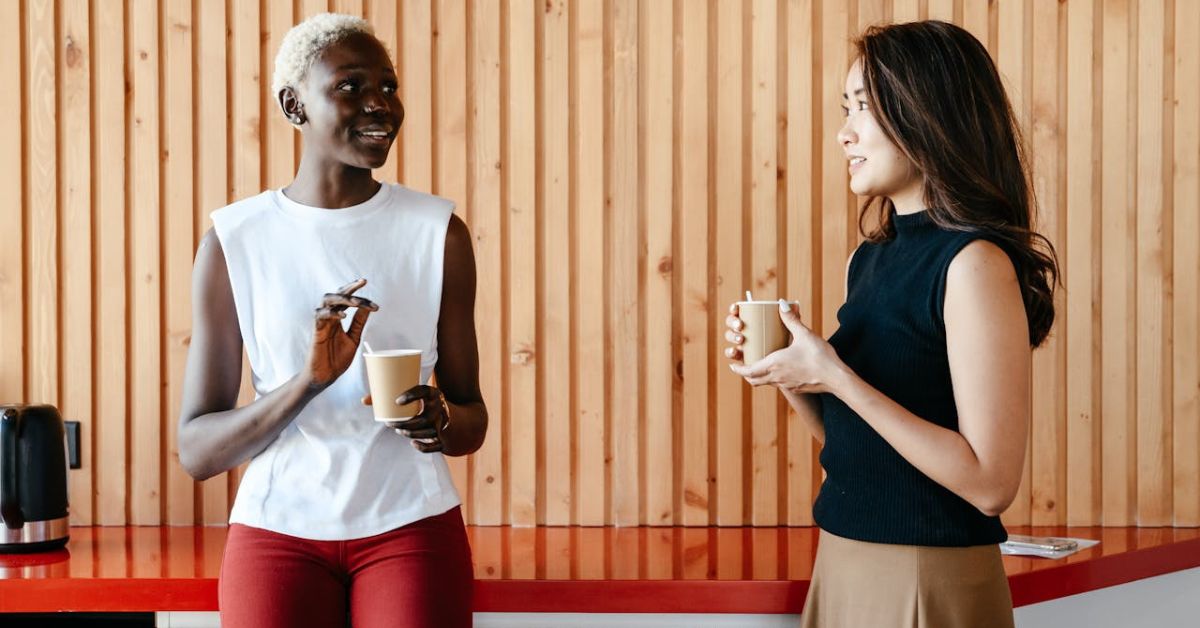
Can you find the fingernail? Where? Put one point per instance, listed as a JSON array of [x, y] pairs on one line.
[[784, 306]]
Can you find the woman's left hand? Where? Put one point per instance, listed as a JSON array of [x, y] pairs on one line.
[[427, 427], [805, 366]]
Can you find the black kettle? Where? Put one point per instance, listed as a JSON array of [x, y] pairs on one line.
[[33, 479]]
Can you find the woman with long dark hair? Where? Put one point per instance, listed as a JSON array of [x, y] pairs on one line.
[[921, 398]]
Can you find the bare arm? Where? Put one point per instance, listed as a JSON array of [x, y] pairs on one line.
[[214, 436], [987, 340], [458, 427], [457, 369], [458, 355]]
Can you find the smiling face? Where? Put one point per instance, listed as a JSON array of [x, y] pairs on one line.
[[877, 166], [348, 106]]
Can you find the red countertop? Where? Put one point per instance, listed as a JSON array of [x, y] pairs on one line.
[[589, 570]]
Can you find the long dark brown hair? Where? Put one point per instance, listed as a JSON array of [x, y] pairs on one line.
[[938, 97]]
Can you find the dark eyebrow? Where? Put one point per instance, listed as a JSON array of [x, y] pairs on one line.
[[857, 92], [350, 67]]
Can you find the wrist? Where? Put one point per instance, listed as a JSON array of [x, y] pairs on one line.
[[839, 380], [308, 381], [458, 433]]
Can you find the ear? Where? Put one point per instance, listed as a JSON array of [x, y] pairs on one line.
[[290, 103]]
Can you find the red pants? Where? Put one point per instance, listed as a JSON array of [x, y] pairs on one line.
[[416, 576]]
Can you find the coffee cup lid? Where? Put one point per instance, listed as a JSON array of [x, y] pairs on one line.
[[391, 353]]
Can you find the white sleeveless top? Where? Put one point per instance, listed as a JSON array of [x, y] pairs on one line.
[[335, 473]]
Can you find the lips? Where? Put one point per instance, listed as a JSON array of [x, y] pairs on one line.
[[856, 162], [376, 132], [375, 136]]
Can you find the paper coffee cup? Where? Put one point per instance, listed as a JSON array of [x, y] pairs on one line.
[[763, 332], [389, 375]]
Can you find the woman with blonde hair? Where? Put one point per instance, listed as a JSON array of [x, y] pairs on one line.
[[338, 517]]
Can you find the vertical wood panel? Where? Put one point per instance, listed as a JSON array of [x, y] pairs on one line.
[[212, 181], [555, 268], [178, 239], [803, 207], [764, 253], [975, 19], [590, 301], [414, 55], [75, 189], [441, 162], [1186, 271], [836, 230], [41, 203], [727, 202], [1152, 380], [623, 259], [657, 82], [112, 406], [145, 280], [520, 249], [1080, 259], [489, 482], [1012, 63], [871, 12], [12, 175], [245, 139], [1119, 439], [906, 11], [944, 10], [697, 314], [1048, 430], [279, 147]]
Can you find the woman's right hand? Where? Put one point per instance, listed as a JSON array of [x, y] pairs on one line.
[[733, 334], [333, 348]]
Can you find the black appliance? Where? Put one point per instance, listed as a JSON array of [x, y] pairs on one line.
[[33, 479]]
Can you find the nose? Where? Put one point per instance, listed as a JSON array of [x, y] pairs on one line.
[[846, 135], [374, 102]]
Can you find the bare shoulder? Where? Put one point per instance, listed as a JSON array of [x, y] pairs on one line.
[[983, 294], [457, 231], [458, 240], [981, 263], [210, 247]]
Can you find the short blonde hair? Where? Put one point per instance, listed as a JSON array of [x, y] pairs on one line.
[[305, 42]]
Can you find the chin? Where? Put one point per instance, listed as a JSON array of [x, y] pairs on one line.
[[860, 189]]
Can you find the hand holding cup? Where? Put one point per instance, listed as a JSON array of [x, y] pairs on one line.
[[755, 329]]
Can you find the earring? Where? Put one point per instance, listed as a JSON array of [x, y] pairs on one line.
[[295, 118]]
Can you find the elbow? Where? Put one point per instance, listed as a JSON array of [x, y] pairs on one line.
[[193, 467], [994, 503], [188, 459], [477, 434]]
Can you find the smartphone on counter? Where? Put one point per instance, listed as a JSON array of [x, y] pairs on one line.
[[1048, 543]]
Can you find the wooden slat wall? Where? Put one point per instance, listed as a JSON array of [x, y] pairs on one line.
[[627, 168]]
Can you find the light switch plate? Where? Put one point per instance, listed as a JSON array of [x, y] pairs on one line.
[[73, 458]]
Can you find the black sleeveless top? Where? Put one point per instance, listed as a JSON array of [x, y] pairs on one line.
[[893, 336]]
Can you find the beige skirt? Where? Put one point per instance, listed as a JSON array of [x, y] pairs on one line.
[[857, 584]]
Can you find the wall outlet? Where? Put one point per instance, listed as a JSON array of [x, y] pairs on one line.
[[73, 460]]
